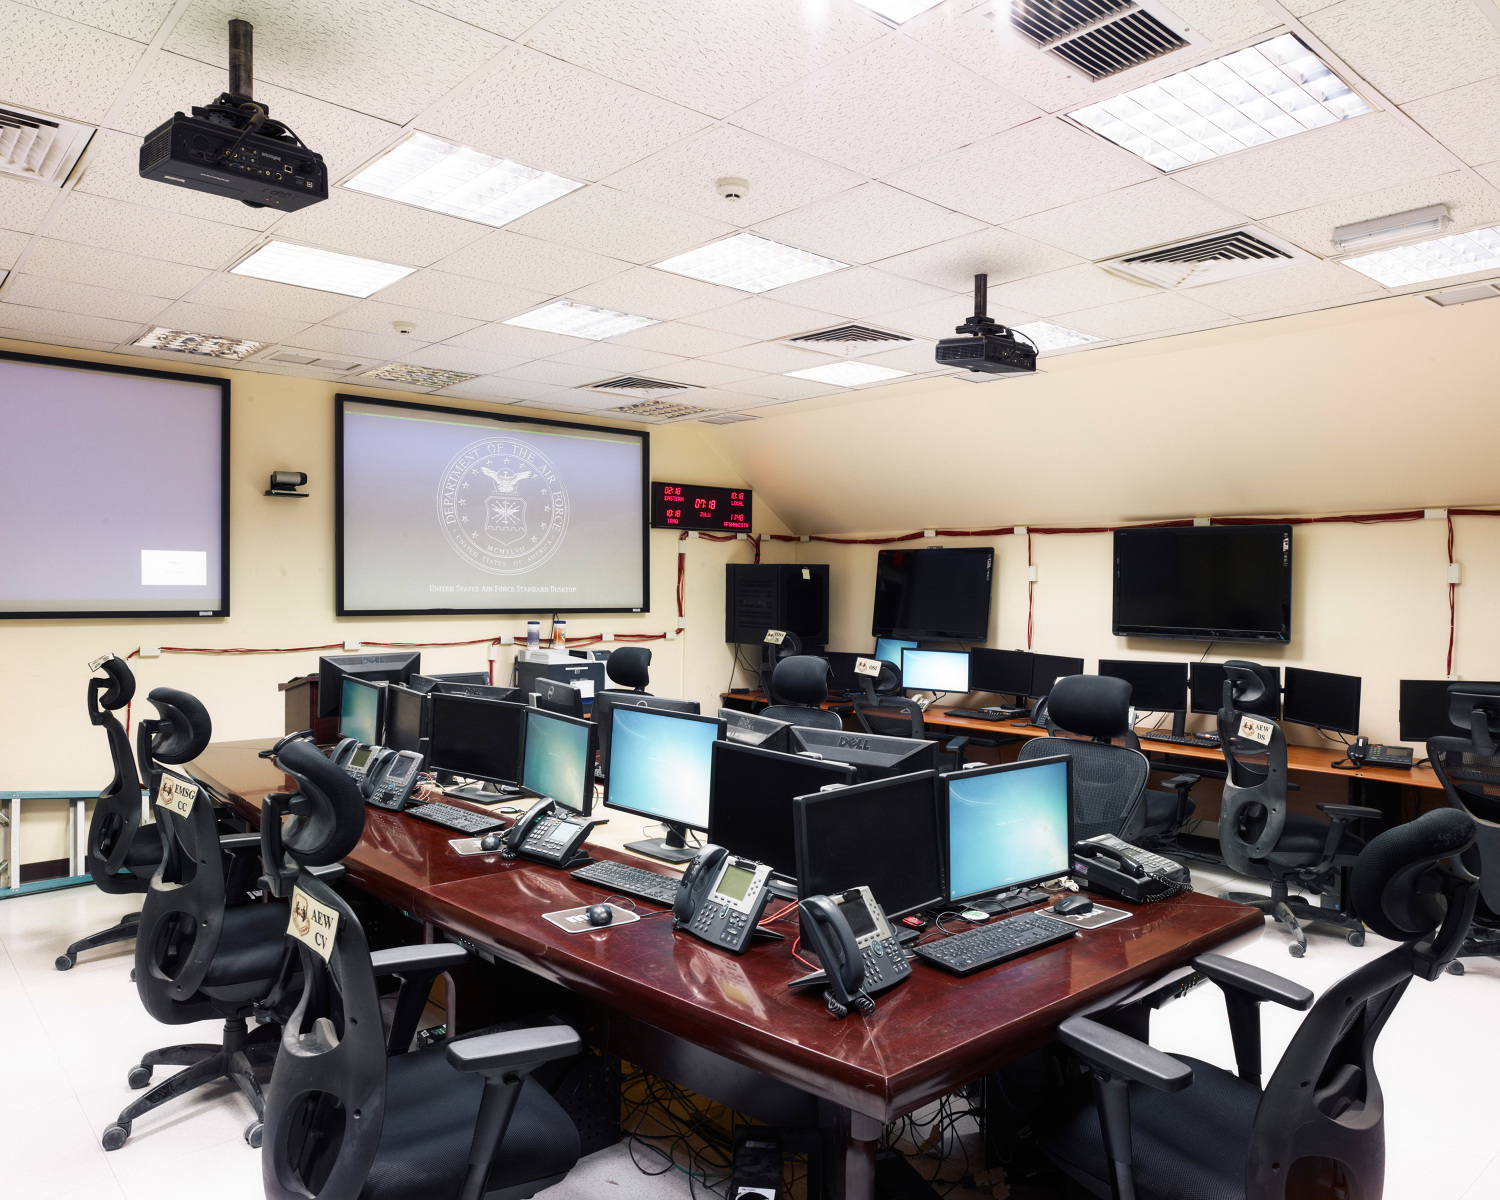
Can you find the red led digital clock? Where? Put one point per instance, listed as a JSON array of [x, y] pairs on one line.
[[691, 506]]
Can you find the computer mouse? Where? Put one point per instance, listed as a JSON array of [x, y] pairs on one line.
[[600, 914], [489, 842], [1073, 906]]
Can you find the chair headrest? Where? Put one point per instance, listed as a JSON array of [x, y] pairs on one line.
[[1096, 706], [121, 683], [801, 679], [336, 822], [1388, 888], [185, 728], [1464, 698], [629, 666], [1251, 681]]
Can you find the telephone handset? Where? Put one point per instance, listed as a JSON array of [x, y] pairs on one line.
[[546, 834], [389, 783], [721, 899], [860, 954], [1107, 864], [284, 742]]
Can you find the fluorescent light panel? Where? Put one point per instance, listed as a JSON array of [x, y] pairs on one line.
[[208, 344], [1253, 96], [322, 270], [1047, 336], [898, 10], [440, 176], [580, 320], [848, 374], [749, 263], [1441, 258]]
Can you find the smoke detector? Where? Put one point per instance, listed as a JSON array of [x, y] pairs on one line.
[[732, 188], [404, 326]]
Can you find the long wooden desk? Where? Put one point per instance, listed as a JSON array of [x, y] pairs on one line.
[[728, 1027]]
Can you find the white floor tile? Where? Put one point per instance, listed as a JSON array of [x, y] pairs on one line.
[[226, 1171], [48, 1150], [1487, 1186]]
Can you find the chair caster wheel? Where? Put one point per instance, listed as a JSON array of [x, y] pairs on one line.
[[138, 1078], [1355, 938], [1455, 968], [64, 962], [132, 974], [253, 1133], [114, 1136], [1296, 951]]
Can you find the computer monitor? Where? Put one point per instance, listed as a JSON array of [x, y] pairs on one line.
[[405, 719], [1006, 826], [659, 766], [889, 649], [1160, 687], [558, 759], [1047, 669], [1321, 699], [842, 677], [560, 698], [604, 701], [462, 677], [1007, 672], [750, 797], [1424, 709], [480, 691], [748, 729], [883, 835], [474, 738], [588, 677], [1207, 689], [935, 671], [871, 756], [360, 710], [376, 668]]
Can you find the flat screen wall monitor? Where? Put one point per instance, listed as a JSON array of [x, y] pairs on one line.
[[1321, 699], [936, 595], [1006, 672], [560, 698], [884, 835], [558, 760], [376, 668], [750, 800], [604, 701], [1047, 669], [842, 677], [1204, 583], [405, 719], [935, 671], [1207, 689], [361, 708], [1006, 826], [114, 492], [748, 729], [476, 739], [694, 506], [1157, 687], [872, 756], [1424, 709], [660, 764], [889, 649]]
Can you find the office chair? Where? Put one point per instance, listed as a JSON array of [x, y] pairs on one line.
[[1179, 1127], [799, 685], [122, 852], [1259, 838], [629, 667], [899, 716], [1469, 769]]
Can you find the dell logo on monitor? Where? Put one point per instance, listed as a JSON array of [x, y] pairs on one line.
[[855, 743]]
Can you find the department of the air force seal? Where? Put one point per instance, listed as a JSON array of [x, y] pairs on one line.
[[502, 505]]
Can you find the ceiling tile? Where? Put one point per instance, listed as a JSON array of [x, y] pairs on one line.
[[356, 344], [547, 114], [1148, 314], [998, 253], [524, 262], [1300, 8], [660, 294], [11, 245], [376, 316], [782, 387], [382, 57], [59, 67], [608, 357], [224, 322], [1072, 288], [1224, 21], [850, 113], [771, 356], [857, 292], [759, 317], [1466, 120], [780, 179], [1411, 48], [574, 400], [1347, 159], [554, 374], [499, 338], [867, 223], [939, 318], [1306, 284], [371, 227], [1469, 202], [1036, 167], [70, 342], [620, 224], [247, 294], [917, 357], [1133, 218], [453, 358], [724, 400], [25, 320], [38, 291], [1491, 171], [24, 203], [510, 19], [494, 387], [108, 268], [684, 341], [715, 56], [482, 299], [132, 229], [702, 373], [135, 19]]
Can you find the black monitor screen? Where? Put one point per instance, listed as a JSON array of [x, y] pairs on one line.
[[1154, 686], [360, 711], [403, 719], [842, 676], [747, 729], [1321, 699], [1007, 825], [1424, 709], [378, 668], [1047, 669], [750, 801], [872, 756], [477, 739], [1006, 671], [1207, 686], [883, 835], [937, 595]]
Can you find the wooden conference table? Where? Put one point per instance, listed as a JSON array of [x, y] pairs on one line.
[[728, 1027]]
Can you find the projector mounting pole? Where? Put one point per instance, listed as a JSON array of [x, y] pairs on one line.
[[979, 323], [981, 295], [241, 60]]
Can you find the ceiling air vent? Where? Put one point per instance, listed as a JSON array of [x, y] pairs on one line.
[[639, 389], [1098, 37], [660, 409], [290, 356], [38, 147], [1212, 259], [1465, 295], [726, 419], [850, 333]]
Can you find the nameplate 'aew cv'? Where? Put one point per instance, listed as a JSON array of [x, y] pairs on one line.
[[314, 924]]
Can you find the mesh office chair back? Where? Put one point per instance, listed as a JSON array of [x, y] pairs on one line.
[[116, 823], [799, 685], [1252, 813], [630, 667], [1469, 770]]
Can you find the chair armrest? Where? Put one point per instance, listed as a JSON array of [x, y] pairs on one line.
[[1121, 1055], [956, 745], [1259, 984], [1349, 812], [514, 1051], [238, 843], [1184, 782], [331, 873], [432, 958]]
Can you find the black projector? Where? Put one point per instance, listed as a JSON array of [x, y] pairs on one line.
[[993, 353], [205, 156]]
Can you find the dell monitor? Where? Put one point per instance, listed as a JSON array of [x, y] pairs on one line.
[[748, 729], [750, 799], [935, 671], [558, 760], [659, 767], [871, 756], [1005, 672], [1159, 687], [605, 701], [1424, 709], [1321, 699], [1007, 826], [1207, 690], [361, 708], [587, 676], [376, 668], [884, 835], [476, 739], [462, 677], [1047, 669], [842, 677], [405, 719], [560, 698], [889, 649]]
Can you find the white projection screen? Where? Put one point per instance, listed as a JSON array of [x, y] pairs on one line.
[[445, 510], [114, 496]]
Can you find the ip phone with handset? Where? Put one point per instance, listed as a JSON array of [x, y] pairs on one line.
[[549, 834], [1107, 864], [860, 953], [386, 777], [721, 899]]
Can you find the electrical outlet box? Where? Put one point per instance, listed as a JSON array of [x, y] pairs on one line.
[[1022, 531], [606, 637], [150, 652], [671, 635], [1435, 514], [929, 533], [1031, 574], [1200, 522], [493, 653], [351, 647], [1455, 572]]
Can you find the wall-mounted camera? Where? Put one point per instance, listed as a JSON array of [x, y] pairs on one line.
[[286, 483]]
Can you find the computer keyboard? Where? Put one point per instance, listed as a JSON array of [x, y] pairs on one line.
[[975, 949], [985, 714], [1209, 741], [450, 816], [635, 882]]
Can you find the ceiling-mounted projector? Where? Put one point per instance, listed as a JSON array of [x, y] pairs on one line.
[[232, 148], [989, 347]]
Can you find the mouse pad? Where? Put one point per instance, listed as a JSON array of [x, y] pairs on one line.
[[1098, 915], [575, 920]]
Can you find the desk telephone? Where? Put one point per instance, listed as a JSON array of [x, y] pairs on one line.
[[1107, 864], [389, 783], [547, 834], [721, 899], [859, 950]]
